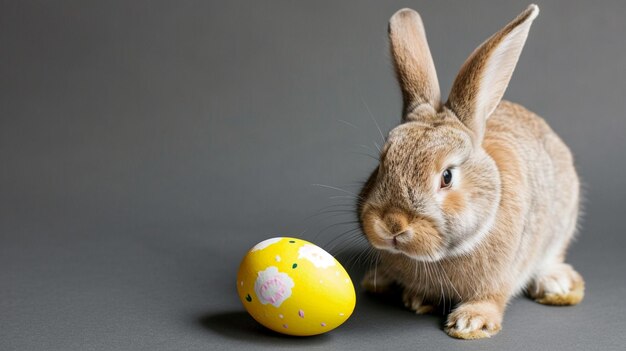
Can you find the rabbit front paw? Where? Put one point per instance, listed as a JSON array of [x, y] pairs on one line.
[[416, 303], [474, 320], [375, 281]]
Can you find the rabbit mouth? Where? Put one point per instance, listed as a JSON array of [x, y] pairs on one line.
[[396, 246], [417, 238]]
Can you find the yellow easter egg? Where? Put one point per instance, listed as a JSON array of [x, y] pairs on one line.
[[294, 287]]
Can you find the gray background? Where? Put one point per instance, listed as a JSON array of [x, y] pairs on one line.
[[145, 146]]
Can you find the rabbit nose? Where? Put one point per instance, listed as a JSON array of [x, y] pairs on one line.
[[402, 235], [396, 222]]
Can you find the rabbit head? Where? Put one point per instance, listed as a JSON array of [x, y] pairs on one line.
[[436, 192]]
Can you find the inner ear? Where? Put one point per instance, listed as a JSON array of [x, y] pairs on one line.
[[413, 63], [483, 78]]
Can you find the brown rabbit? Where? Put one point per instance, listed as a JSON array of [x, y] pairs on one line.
[[474, 200]]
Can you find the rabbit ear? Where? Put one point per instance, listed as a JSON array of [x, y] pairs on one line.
[[412, 61], [480, 85]]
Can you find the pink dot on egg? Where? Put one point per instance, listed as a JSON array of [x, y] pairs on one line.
[[301, 313], [323, 324], [285, 326]]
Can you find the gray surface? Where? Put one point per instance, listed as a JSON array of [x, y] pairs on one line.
[[145, 147]]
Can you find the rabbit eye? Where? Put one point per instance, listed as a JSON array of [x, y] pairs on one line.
[[446, 178]]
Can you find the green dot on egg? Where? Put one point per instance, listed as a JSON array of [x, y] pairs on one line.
[[293, 266], [248, 298]]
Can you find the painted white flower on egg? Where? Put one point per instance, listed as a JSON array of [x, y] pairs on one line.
[[273, 287], [265, 243], [317, 256]]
